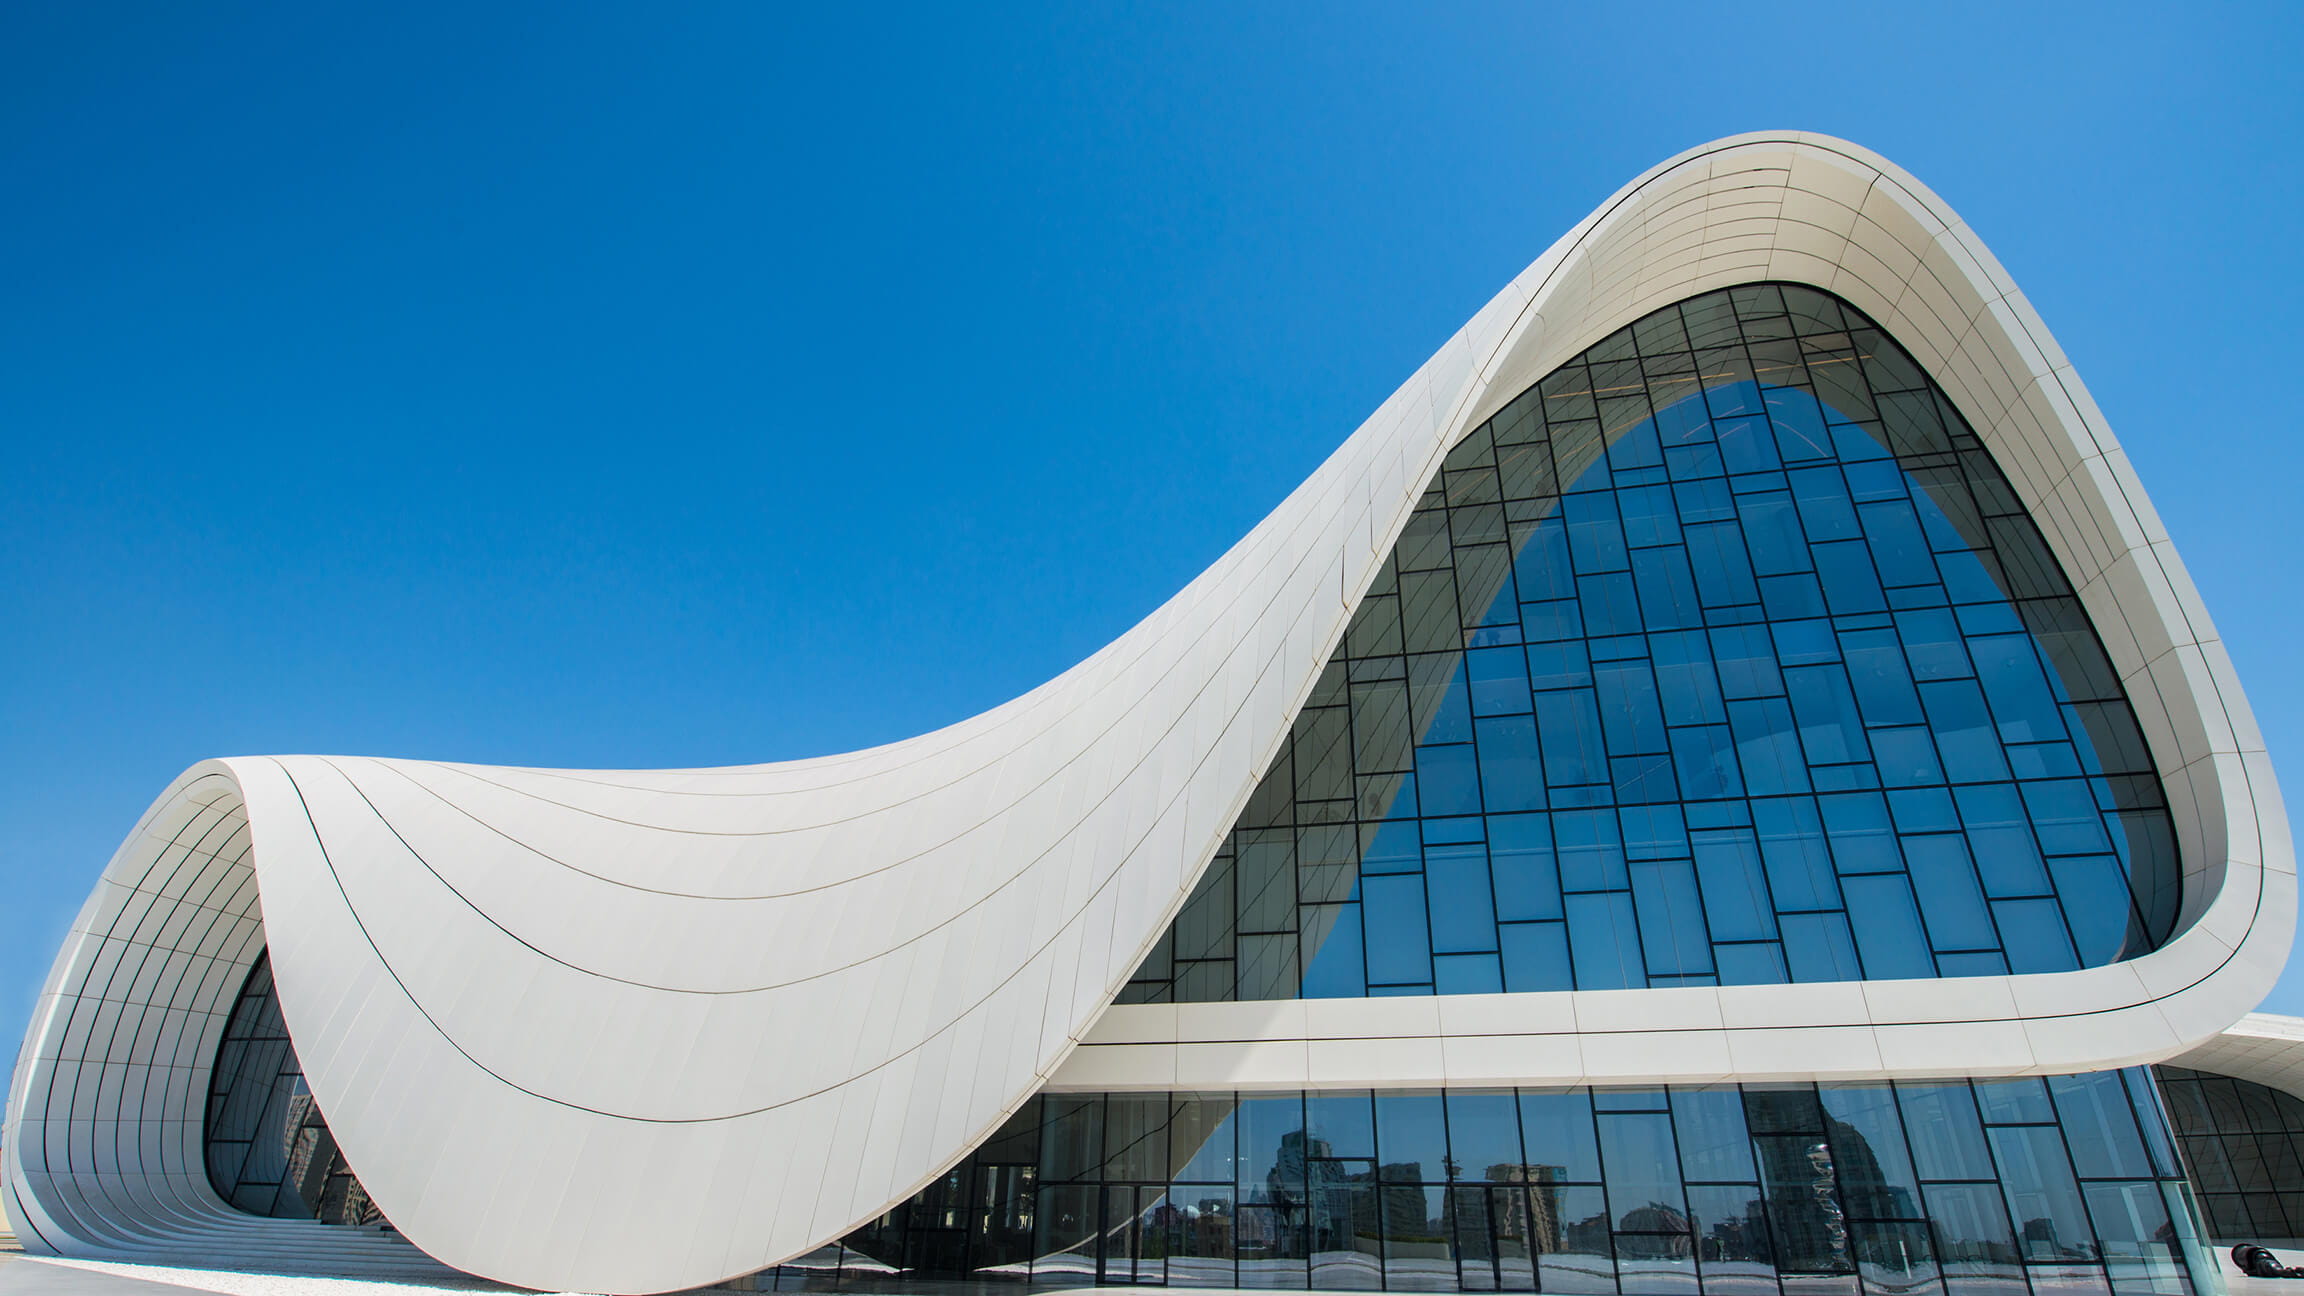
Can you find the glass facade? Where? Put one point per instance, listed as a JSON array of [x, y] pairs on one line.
[[1949, 1188], [2244, 1145], [1724, 655], [268, 1148], [2068, 1186]]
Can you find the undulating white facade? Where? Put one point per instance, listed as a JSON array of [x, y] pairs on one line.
[[728, 1015]]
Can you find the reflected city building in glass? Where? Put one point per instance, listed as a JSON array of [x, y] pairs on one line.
[[2068, 1184]]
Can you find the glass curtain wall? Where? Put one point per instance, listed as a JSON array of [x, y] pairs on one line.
[[2244, 1144], [2067, 1185], [269, 1151], [1724, 655]]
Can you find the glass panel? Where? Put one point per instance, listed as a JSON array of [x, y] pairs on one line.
[[2067, 1280], [1272, 1148], [1399, 945], [1730, 1227], [1557, 1129], [1200, 1134], [2010, 1102], [1197, 1233], [1136, 1137], [2043, 1200], [1947, 1137], [1419, 1248], [2100, 1125], [1761, 675], [1568, 1232], [1411, 1139], [1132, 1245], [1663, 1264], [1804, 1211], [1000, 1238], [1895, 1257], [1484, 1137], [1065, 1235], [1270, 1243], [1783, 1109], [2139, 1243], [1509, 1216], [1643, 1168], [1714, 1145], [1346, 1235], [1342, 1123], [1975, 1244], [2200, 1263], [1474, 1232], [1876, 1178]]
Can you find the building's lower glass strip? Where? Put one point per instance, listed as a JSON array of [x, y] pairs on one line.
[[2025, 1187], [2064, 1186]]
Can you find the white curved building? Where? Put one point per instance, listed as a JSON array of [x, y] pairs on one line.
[[1739, 670]]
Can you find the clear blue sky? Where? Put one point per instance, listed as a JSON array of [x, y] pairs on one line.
[[568, 384]]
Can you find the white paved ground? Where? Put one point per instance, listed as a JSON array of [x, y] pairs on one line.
[[225, 1282]]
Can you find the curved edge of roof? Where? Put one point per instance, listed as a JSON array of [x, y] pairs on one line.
[[2266, 1048], [667, 995]]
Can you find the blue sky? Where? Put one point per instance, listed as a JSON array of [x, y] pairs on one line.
[[579, 385]]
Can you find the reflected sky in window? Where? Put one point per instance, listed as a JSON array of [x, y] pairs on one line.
[[1724, 655]]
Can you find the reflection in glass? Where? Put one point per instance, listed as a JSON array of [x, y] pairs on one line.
[[2043, 1199], [2096, 1110], [1419, 1251], [1895, 1256], [1758, 1190], [1347, 1237], [1412, 1138], [1557, 1129], [1728, 661], [1977, 1247], [1732, 1245], [1342, 1121], [1805, 1214], [1714, 1144], [1876, 1178], [1271, 1245], [1066, 1234], [1071, 1137], [1947, 1137], [1575, 1249], [1133, 1251], [2138, 1240], [1136, 1137], [268, 1148], [1196, 1233], [1483, 1136], [1643, 1173]]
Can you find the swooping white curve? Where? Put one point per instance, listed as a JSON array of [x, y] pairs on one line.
[[638, 1031]]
